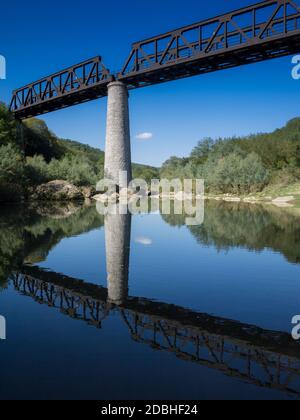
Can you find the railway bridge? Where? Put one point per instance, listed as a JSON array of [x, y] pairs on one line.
[[263, 31]]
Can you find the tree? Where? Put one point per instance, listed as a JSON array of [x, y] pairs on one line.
[[7, 127], [40, 141], [11, 165], [203, 149], [174, 168], [234, 174], [11, 174]]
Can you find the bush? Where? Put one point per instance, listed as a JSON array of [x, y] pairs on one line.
[[234, 174], [11, 164], [75, 170], [285, 177], [7, 127], [39, 140], [37, 170], [174, 168], [147, 173]]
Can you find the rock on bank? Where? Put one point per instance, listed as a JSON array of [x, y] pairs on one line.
[[57, 191]]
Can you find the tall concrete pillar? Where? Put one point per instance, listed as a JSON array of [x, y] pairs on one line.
[[117, 149], [117, 244]]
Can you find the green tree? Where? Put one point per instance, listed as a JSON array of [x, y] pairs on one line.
[[11, 174], [234, 174], [11, 164], [7, 127], [203, 149], [39, 140]]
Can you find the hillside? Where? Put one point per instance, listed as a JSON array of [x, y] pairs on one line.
[[243, 165], [255, 164], [97, 157], [43, 157]]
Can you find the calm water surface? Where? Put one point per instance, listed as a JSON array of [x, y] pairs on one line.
[[144, 307]]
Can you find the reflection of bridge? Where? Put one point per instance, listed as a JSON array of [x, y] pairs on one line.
[[263, 358], [259, 32]]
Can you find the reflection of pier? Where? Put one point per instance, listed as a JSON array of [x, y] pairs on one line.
[[117, 245], [263, 358]]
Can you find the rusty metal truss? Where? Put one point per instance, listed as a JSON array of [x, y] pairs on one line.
[[263, 31], [255, 33], [84, 82]]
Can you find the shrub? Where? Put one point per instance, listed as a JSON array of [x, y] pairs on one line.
[[11, 164], [7, 127], [39, 140], [75, 170], [234, 174], [37, 170]]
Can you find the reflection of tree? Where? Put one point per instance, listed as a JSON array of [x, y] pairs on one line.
[[46, 231], [11, 241], [28, 234], [255, 227]]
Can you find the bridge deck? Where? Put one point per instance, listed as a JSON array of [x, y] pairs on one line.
[[77, 84], [269, 29], [263, 31]]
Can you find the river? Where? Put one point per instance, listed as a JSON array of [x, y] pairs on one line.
[[145, 307]]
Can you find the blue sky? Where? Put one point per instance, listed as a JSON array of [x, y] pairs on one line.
[[38, 38]]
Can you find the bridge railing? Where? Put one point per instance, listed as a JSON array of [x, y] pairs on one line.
[[250, 26], [85, 80], [266, 30]]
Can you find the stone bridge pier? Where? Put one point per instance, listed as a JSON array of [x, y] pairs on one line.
[[117, 148]]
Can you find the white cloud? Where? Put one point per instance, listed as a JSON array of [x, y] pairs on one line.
[[144, 136], [144, 241]]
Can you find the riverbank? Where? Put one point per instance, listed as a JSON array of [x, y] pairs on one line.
[[280, 196], [62, 191]]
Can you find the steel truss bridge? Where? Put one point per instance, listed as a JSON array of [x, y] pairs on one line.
[[267, 359], [262, 31]]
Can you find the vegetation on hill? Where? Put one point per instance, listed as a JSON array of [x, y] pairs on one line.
[[242, 165], [42, 157], [238, 165]]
